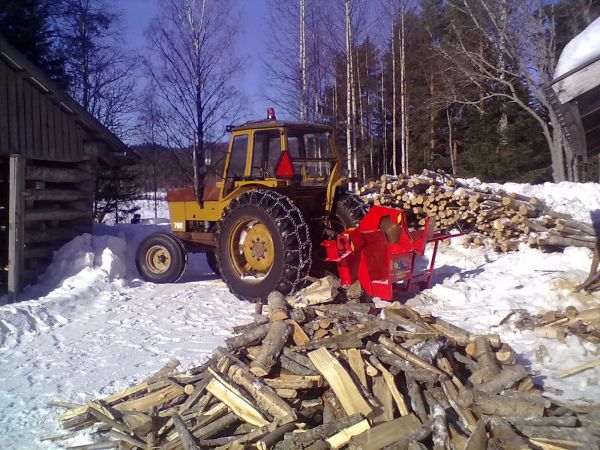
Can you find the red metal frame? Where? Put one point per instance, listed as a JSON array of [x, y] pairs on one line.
[[383, 267]]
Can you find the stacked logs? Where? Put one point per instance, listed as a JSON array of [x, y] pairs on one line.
[[348, 375], [559, 324], [492, 217]]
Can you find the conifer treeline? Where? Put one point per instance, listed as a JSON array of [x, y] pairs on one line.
[[450, 84]]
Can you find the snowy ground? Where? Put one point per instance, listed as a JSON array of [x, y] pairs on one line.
[[92, 327]]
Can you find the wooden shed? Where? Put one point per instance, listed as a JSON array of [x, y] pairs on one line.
[[575, 97], [50, 150]]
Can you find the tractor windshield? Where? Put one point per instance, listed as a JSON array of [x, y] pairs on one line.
[[312, 156]]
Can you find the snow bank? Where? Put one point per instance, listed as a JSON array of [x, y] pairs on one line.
[[582, 48]]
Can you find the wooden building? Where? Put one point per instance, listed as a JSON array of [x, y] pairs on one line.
[[575, 97], [50, 150]]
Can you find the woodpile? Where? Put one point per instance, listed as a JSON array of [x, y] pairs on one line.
[[558, 325], [495, 218], [340, 375]]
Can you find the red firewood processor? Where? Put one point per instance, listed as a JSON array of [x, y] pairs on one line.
[[381, 253]]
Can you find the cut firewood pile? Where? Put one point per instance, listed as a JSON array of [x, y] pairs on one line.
[[558, 325], [495, 218], [313, 374]]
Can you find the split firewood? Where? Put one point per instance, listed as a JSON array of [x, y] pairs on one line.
[[322, 291], [499, 405], [358, 387], [294, 441], [486, 361], [266, 398], [506, 378], [509, 438], [385, 434], [235, 400], [479, 438], [341, 383], [278, 308], [184, 434], [271, 348]]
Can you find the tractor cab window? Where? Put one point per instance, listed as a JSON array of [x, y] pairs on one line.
[[267, 150], [237, 159], [312, 156]]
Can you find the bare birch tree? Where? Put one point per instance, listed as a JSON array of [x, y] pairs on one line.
[[304, 86], [192, 66]]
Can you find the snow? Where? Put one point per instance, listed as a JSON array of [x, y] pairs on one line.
[[92, 327], [581, 49]]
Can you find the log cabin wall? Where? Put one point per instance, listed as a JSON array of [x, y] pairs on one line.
[[50, 148]]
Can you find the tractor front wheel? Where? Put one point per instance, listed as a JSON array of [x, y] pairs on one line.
[[263, 245], [161, 258]]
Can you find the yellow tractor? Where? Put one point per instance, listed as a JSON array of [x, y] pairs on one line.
[[261, 215]]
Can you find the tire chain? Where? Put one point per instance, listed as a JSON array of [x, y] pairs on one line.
[[288, 218]]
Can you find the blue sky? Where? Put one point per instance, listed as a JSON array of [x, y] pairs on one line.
[[252, 41]]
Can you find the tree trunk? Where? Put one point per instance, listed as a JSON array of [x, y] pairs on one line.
[[303, 91], [349, 118], [403, 96], [394, 131]]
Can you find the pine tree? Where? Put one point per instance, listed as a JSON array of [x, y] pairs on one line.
[[27, 26]]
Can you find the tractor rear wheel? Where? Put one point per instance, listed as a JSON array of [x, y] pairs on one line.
[[348, 211], [263, 245], [161, 258]]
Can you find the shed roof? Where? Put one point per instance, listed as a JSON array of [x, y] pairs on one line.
[[118, 152]]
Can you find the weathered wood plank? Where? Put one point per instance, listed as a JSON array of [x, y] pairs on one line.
[[13, 113], [4, 125], [21, 123], [58, 133], [44, 125], [577, 83], [51, 129], [28, 119], [39, 215], [75, 153], [57, 174], [15, 225], [61, 195], [36, 125]]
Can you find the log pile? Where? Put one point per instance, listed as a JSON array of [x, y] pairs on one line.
[[339, 376], [558, 325], [494, 218]]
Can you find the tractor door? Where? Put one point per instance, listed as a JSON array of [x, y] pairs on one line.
[[236, 162], [266, 152]]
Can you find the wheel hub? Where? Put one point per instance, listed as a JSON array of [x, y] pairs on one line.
[[258, 248], [158, 259]]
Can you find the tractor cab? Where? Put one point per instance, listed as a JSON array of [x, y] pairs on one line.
[[298, 159]]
